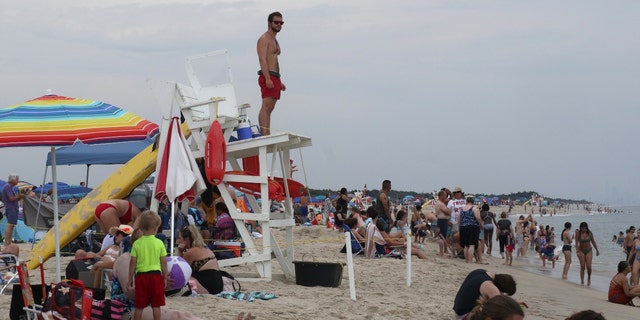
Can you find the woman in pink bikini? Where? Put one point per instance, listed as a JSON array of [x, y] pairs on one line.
[[114, 212]]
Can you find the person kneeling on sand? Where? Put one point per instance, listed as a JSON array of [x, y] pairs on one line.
[[619, 289], [481, 283]]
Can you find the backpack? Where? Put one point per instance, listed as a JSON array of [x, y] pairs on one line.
[[223, 281], [197, 217]]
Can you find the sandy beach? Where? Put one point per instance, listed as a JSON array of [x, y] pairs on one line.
[[381, 288]]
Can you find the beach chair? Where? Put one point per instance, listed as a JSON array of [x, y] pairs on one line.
[[375, 245], [357, 247], [33, 310], [8, 270]]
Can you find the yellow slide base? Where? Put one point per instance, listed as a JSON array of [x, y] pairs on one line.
[[81, 216]]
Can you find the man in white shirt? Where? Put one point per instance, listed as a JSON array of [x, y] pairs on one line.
[[455, 205]]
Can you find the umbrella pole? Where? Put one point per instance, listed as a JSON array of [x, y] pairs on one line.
[[173, 225], [56, 219], [44, 179], [86, 178]]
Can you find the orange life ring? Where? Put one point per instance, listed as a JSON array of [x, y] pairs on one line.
[[215, 154]]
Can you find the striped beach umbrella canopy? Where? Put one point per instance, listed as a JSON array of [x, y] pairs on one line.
[[53, 120]]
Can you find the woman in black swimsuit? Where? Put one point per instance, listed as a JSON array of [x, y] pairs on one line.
[[584, 239], [204, 266], [567, 238]]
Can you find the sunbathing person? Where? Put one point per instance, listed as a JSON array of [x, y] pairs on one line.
[[204, 266], [352, 223], [400, 225], [374, 243], [357, 240], [109, 255], [416, 249], [124, 292], [360, 226], [619, 289], [107, 242], [121, 291], [11, 249]]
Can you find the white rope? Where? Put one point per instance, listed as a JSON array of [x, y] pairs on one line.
[[304, 172]]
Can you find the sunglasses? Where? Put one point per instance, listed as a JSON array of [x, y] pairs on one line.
[[278, 22]]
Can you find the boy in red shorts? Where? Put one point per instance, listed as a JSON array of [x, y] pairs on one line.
[[149, 261]]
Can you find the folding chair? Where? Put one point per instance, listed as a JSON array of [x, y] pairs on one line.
[[8, 270], [32, 309], [357, 247]]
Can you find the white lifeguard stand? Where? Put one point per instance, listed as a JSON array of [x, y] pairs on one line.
[[201, 103]]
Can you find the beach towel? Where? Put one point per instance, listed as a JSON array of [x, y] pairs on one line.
[[247, 296], [373, 237]]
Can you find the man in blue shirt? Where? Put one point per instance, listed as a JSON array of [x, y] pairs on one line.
[[11, 197]]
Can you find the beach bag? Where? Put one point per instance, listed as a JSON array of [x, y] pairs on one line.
[[229, 283], [107, 309], [66, 300], [197, 217]]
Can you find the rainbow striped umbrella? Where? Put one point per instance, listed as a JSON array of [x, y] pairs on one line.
[[53, 120]]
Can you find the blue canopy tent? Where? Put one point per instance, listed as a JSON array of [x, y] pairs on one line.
[[80, 153], [49, 185], [111, 153]]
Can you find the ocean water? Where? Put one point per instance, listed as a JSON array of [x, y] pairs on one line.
[[603, 226]]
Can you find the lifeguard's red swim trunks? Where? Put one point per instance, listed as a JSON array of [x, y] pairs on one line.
[[273, 92]]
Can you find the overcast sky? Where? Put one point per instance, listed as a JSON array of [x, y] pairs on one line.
[[491, 96]]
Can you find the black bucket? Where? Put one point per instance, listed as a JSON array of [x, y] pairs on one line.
[[324, 274]]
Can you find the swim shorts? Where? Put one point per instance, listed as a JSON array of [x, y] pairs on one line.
[[104, 206], [443, 225], [127, 216], [149, 289], [12, 215], [273, 92]]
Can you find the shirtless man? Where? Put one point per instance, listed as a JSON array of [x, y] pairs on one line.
[[443, 214], [628, 241], [269, 73]]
